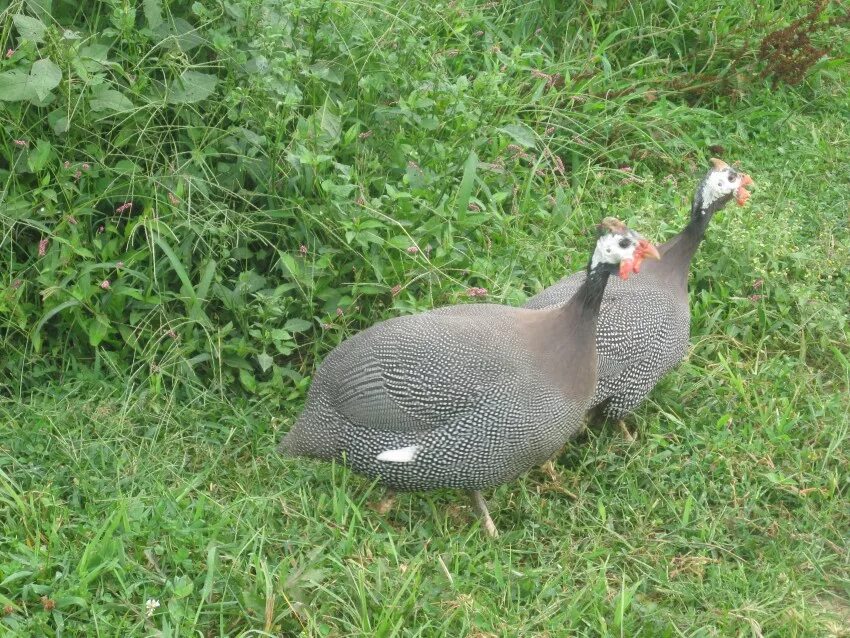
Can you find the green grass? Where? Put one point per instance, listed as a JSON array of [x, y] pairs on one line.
[[143, 470], [728, 516]]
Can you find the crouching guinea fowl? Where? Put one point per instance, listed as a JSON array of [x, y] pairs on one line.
[[467, 396], [644, 323]]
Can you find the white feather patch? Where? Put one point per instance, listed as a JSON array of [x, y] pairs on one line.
[[401, 455]]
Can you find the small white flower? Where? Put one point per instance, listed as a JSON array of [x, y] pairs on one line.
[[150, 606]]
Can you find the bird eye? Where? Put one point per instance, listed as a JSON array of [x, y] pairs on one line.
[[732, 177], [625, 243]]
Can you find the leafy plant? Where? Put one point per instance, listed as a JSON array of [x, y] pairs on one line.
[[201, 194]]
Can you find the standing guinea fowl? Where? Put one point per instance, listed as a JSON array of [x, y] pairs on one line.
[[467, 396], [644, 323]]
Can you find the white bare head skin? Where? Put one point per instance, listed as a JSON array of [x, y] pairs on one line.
[[615, 247], [721, 183]]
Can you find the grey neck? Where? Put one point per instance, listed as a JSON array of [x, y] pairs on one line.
[[683, 247], [583, 308]]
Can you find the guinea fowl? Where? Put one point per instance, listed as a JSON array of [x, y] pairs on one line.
[[644, 323], [467, 396]]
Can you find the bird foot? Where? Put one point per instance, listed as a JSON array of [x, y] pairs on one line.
[[490, 527], [480, 506], [628, 435], [385, 504], [548, 468]]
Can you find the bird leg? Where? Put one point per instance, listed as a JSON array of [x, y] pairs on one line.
[[629, 436], [480, 506], [385, 504]]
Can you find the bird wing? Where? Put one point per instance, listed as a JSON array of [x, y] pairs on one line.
[[421, 372], [634, 324]]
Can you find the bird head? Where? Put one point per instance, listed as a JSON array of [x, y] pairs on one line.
[[721, 184], [620, 249]]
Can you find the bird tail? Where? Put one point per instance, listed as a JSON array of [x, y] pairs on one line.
[[287, 445], [315, 434], [295, 442]]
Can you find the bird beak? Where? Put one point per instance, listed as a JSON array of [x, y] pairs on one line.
[[644, 249], [742, 194]]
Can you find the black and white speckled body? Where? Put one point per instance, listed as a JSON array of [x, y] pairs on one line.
[[456, 383], [466, 396], [644, 323]]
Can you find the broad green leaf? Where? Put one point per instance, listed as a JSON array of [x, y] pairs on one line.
[[288, 90], [47, 100], [96, 52], [521, 134], [209, 580], [329, 123], [126, 167], [30, 28], [191, 87], [58, 121], [248, 380], [15, 86], [326, 71], [289, 265], [43, 8], [97, 329], [44, 77], [83, 252], [193, 306], [265, 361], [104, 99], [64, 601], [39, 155], [176, 264], [297, 325], [153, 12], [130, 292], [235, 11], [183, 586], [35, 336], [179, 33]]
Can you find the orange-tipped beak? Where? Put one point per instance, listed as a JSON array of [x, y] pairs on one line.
[[644, 249], [742, 194]]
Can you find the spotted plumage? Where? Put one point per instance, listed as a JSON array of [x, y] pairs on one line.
[[644, 323], [466, 396], [440, 382]]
